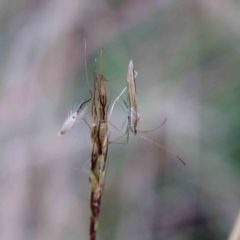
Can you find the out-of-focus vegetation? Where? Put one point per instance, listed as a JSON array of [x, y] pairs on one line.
[[187, 55]]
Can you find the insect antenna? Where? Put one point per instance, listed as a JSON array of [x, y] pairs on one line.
[[119, 96]]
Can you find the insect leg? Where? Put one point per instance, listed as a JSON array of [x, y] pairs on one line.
[[160, 146], [126, 133]]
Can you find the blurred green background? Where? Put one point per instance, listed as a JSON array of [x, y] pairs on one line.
[[187, 55]]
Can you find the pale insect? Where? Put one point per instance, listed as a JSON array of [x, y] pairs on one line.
[[133, 115], [75, 116]]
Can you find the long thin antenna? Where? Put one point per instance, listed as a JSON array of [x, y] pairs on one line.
[[157, 144], [116, 101]]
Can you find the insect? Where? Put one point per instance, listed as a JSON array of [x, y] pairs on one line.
[[133, 114], [78, 113]]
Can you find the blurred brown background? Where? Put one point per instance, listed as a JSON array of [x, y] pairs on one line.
[[187, 55]]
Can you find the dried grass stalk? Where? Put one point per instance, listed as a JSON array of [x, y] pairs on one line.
[[99, 140]]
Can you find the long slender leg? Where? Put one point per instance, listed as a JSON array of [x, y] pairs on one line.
[[150, 130], [121, 128], [126, 133], [160, 146]]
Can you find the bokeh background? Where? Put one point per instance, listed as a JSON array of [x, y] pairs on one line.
[[187, 55]]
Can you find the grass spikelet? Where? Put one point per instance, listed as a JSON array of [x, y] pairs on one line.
[[99, 145]]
